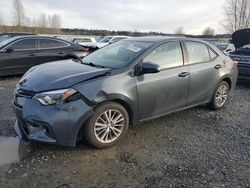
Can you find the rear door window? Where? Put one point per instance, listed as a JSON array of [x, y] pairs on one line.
[[197, 52], [50, 43], [167, 55], [25, 44]]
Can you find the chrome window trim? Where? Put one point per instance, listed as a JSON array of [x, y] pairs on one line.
[[68, 44], [53, 47], [18, 40]]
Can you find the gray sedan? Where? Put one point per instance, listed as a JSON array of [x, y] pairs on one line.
[[119, 85]]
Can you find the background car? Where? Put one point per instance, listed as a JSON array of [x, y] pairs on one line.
[[225, 47], [84, 40], [18, 54], [91, 47], [124, 83], [5, 36], [241, 40]]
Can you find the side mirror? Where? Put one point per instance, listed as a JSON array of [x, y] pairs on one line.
[[149, 68], [9, 50]]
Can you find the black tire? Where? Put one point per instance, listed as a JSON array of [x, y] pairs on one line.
[[89, 129], [213, 104]]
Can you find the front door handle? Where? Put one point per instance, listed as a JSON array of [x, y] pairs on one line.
[[32, 54], [219, 66], [184, 74]]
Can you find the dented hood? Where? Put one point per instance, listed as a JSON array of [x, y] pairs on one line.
[[58, 75], [241, 38]]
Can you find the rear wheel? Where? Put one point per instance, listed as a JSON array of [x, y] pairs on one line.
[[220, 96], [107, 126]]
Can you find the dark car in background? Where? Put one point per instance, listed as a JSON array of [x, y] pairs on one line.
[[119, 85], [5, 36], [18, 54], [241, 40]]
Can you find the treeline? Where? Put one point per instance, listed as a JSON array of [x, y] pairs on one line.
[[35, 30], [44, 24]]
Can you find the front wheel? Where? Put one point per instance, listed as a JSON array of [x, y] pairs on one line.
[[107, 126], [220, 96]]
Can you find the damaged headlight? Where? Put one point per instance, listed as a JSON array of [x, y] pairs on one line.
[[54, 97]]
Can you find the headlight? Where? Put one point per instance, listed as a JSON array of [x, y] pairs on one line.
[[54, 97]]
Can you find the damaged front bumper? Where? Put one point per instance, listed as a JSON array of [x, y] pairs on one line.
[[54, 124]]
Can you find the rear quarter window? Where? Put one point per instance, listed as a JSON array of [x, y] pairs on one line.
[[50, 43], [197, 52]]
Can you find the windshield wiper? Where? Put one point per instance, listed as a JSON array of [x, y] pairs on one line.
[[93, 65]]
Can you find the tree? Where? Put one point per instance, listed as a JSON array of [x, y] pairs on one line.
[[18, 13], [42, 21], [237, 15], [208, 31], [56, 21], [1, 20], [179, 31]]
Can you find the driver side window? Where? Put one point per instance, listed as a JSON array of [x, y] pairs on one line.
[[26, 44], [167, 55]]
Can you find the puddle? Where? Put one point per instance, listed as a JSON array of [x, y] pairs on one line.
[[12, 150]]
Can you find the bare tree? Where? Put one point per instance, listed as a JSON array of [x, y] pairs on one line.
[[237, 15], [18, 13], [1, 20], [56, 21], [179, 31], [208, 31], [42, 21]]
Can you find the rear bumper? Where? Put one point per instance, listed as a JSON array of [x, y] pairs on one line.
[[55, 124]]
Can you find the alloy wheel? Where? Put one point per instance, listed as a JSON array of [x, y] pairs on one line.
[[221, 95], [109, 126]]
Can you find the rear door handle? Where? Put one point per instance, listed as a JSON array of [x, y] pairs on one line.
[[218, 66], [184, 74], [32, 54], [61, 53]]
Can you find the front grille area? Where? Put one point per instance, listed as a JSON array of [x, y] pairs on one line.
[[24, 93]]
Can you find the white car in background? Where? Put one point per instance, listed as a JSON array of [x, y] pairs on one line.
[[90, 47], [84, 40]]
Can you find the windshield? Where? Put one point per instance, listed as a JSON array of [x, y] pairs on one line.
[[105, 39], [117, 55], [4, 37], [3, 43]]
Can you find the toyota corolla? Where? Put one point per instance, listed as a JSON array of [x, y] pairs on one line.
[[127, 82]]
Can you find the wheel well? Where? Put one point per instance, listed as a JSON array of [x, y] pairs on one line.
[[228, 80], [119, 101], [127, 107]]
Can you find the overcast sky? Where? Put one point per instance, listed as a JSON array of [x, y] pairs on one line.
[[141, 15]]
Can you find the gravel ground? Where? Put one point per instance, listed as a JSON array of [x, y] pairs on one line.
[[192, 148]]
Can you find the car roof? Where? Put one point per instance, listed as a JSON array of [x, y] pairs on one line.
[[155, 39], [36, 36], [159, 39]]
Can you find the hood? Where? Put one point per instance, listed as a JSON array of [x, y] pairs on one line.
[[58, 75], [241, 38], [95, 44]]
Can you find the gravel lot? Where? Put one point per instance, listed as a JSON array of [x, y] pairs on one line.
[[196, 147]]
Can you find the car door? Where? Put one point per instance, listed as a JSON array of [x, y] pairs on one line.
[[19, 56], [51, 50], [205, 66], [166, 90]]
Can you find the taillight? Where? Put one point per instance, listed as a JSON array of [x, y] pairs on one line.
[[86, 49], [235, 63]]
